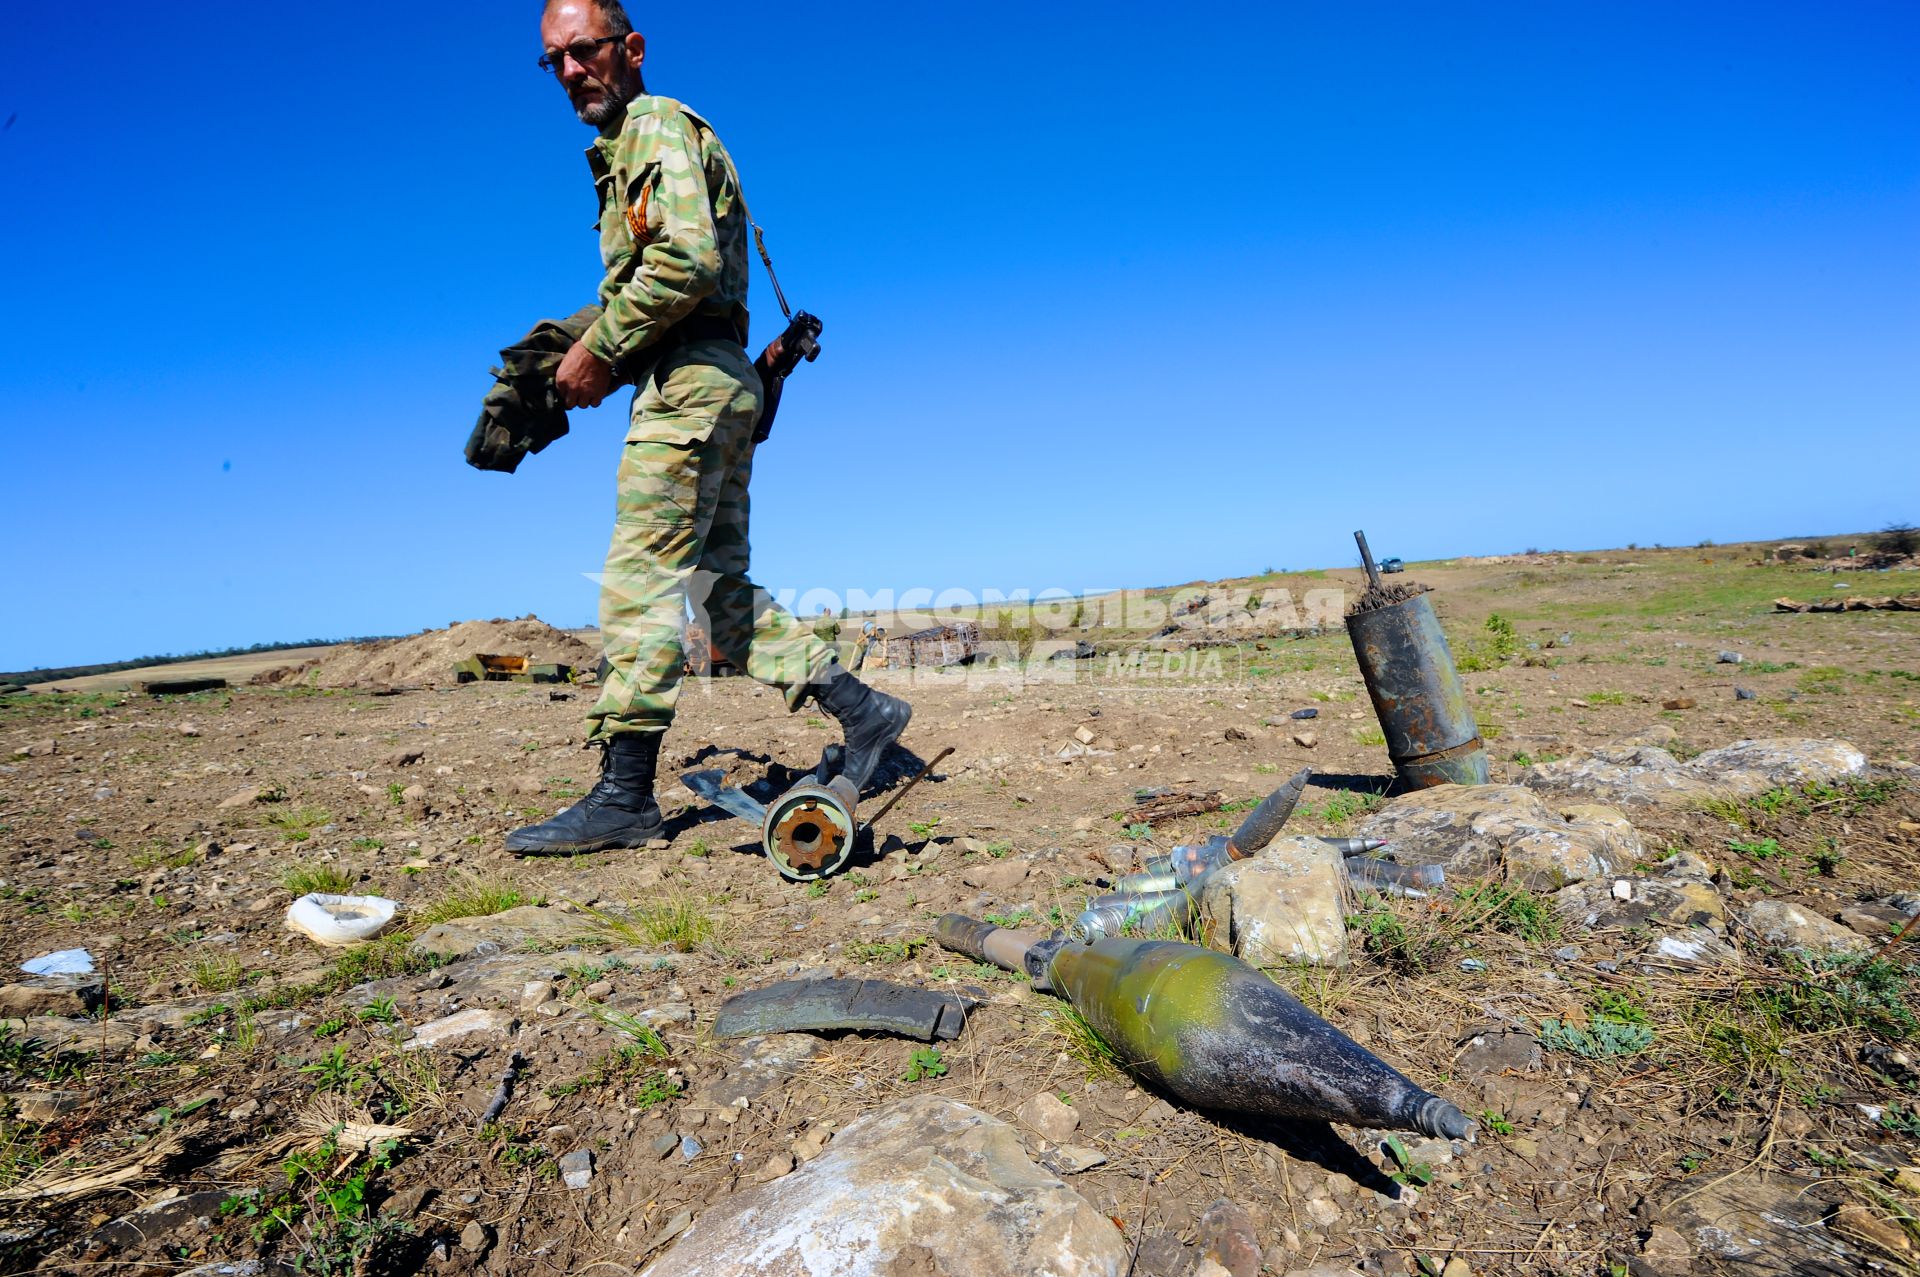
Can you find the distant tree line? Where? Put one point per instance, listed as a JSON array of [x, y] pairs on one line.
[[27, 677]]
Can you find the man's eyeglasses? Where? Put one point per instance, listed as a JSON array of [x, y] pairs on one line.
[[580, 51]]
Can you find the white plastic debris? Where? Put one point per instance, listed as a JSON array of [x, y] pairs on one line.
[[63, 962], [339, 920]]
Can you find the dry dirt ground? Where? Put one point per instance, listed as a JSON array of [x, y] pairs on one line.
[[238, 1065]]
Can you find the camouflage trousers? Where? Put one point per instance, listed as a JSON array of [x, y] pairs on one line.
[[680, 539]]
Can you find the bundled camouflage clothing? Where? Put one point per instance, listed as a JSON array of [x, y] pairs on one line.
[[673, 237], [522, 413]]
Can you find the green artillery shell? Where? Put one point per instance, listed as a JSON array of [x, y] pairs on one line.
[[1219, 1034]]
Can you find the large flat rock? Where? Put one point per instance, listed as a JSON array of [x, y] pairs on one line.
[[926, 1185], [1647, 776], [1475, 830]]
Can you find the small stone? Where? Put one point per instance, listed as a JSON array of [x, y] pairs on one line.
[[1309, 712], [664, 1144], [475, 1237], [41, 1107], [461, 1024], [1227, 1240], [1071, 1159], [776, 1166], [68, 996], [1457, 1267], [1743, 694], [1323, 1212], [1306, 740], [1679, 702], [809, 1145], [1083, 735], [414, 793], [1473, 966], [1048, 1115], [241, 798], [576, 1168], [1729, 658], [680, 1223], [1622, 889], [1666, 1245], [36, 749], [535, 992]]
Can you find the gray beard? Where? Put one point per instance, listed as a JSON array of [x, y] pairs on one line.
[[611, 106]]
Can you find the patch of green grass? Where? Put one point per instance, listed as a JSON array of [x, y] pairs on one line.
[[631, 1026], [296, 824], [1492, 906], [1603, 1038], [472, 897], [332, 1071], [1497, 644], [1900, 1120], [924, 1064], [887, 951], [1408, 1170], [1385, 934], [655, 1088], [680, 923], [380, 959], [1495, 1122], [218, 973], [1369, 736], [623, 1063], [923, 828], [1080, 1043], [1344, 805], [368, 844], [1756, 848], [1013, 918], [1769, 667], [1835, 991], [21, 1153], [303, 880], [1822, 680], [379, 1011], [158, 856], [1606, 698]]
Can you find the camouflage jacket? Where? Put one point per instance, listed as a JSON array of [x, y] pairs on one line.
[[673, 230]]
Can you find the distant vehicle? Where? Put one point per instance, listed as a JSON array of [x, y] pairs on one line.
[[1392, 565]]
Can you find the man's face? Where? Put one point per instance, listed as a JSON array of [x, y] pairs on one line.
[[600, 86]]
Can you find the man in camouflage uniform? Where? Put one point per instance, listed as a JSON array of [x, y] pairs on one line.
[[673, 237]]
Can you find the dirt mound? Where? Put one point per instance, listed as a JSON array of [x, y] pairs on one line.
[[426, 659]]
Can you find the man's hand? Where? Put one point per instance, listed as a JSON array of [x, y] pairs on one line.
[[582, 380]]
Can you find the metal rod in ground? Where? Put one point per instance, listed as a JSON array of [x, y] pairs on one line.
[[1366, 557], [902, 791]]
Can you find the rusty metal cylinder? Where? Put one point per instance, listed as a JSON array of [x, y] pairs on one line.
[[1417, 694], [808, 832]]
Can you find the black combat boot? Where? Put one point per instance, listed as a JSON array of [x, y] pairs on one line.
[[869, 720], [619, 811]]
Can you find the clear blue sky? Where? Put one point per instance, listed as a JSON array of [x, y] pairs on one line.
[[1115, 294]]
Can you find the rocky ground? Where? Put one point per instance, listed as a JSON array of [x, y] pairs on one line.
[[1659, 976]]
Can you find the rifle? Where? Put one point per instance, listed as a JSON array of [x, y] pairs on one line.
[[800, 340]]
